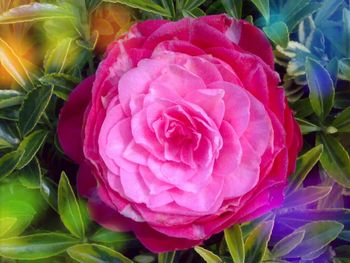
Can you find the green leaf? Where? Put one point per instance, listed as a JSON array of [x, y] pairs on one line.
[[317, 235], [278, 33], [106, 236], [345, 235], [9, 113], [93, 253], [48, 190], [6, 223], [304, 165], [33, 12], [344, 68], [321, 88], [69, 209], [342, 121], [287, 244], [7, 137], [335, 159], [167, 257], [145, 5], [8, 163], [264, 8], [14, 65], [29, 176], [33, 107], [207, 255], [233, 7], [31, 144], [305, 196], [10, 98], [256, 243], [36, 246], [56, 59], [307, 127], [235, 243], [63, 83], [192, 4], [169, 5]]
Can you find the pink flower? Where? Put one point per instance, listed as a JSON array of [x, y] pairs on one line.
[[182, 132]]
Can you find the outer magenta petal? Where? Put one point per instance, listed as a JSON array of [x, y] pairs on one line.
[[71, 120]]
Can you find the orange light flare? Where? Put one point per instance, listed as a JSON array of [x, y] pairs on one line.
[[19, 50], [110, 21]]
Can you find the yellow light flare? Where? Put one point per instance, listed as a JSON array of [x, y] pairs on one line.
[[110, 21]]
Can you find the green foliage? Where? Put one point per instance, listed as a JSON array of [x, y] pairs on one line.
[[235, 243], [207, 255]]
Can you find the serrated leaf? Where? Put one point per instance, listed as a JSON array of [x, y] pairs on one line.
[[146, 5], [48, 190], [93, 253], [69, 209], [56, 58], [167, 257], [342, 121], [36, 246], [321, 88], [305, 196], [8, 163], [207, 255], [33, 107], [31, 144], [29, 176], [33, 12], [264, 8], [317, 235], [106, 236], [256, 243], [304, 165], [10, 98], [14, 65], [235, 243], [335, 159], [287, 244], [278, 33], [233, 7]]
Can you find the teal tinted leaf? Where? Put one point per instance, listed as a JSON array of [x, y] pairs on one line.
[[19, 210], [48, 190], [342, 121], [145, 5], [93, 253], [7, 138], [256, 243], [345, 235], [167, 257], [10, 98], [263, 7], [36, 246], [33, 107], [192, 4], [346, 31], [287, 244], [317, 235], [301, 14], [305, 196], [328, 8], [321, 88], [33, 12], [106, 236], [8, 163], [344, 69], [278, 33], [31, 144], [304, 165], [235, 243], [56, 59], [29, 176], [307, 127], [233, 7], [335, 159], [207, 255], [69, 209]]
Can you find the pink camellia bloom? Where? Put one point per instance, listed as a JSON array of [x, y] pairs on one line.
[[182, 132]]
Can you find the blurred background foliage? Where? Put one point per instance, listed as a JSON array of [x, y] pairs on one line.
[[47, 47]]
